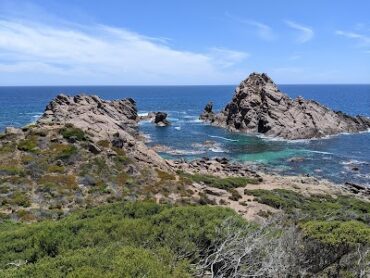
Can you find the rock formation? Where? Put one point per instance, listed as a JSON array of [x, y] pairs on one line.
[[100, 118], [258, 106], [159, 118], [115, 121]]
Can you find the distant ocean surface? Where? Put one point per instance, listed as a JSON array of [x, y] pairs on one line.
[[339, 158]]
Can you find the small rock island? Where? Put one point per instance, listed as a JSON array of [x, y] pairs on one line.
[[259, 107]]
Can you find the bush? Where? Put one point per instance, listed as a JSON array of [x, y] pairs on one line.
[[316, 206], [56, 169], [338, 232], [11, 171], [19, 199], [218, 182], [27, 145], [235, 196], [68, 132], [122, 240], [65, 151]]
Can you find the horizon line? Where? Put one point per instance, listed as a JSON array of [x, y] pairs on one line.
[[180, 85]]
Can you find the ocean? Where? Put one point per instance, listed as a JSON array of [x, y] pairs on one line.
[[340, 158]]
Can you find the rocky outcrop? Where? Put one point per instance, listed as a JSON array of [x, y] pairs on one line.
[[258, 106], [159, 118], [115, 121], [219, 166], [100, 118]]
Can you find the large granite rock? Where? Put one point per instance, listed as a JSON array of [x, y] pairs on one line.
[[115, 121], [100, 118], [258, 106]]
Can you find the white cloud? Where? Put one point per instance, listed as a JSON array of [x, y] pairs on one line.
[[226, 57], [95, 54], [305, 33], [263, 30], [362, 39]]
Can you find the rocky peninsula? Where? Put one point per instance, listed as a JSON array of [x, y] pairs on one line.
[[259, 107]]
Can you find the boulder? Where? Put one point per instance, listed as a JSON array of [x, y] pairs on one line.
[[13, 131], [258, 106], [94, 148], [160, 119]]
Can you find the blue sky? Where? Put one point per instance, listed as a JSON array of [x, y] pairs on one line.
[[118, 42]]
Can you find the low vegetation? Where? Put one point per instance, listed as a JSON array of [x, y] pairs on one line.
[[217, 182], [68, 212], [315, 206], [120, 240], [70, 132], [144, 239]]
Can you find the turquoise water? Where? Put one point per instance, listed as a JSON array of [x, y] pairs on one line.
[[332, 158]]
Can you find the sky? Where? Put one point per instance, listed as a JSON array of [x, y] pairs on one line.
[[183, 42]]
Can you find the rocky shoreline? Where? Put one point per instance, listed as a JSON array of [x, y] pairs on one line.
[[118, 121], [87, 150]]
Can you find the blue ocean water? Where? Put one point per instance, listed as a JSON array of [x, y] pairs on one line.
[[334, 158]]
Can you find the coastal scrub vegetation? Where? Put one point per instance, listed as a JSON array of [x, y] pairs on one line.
[[68, 212], [341, 207], [120, 240], [144, 239], [219, 182]]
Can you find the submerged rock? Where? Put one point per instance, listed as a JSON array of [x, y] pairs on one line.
[[258, 106]]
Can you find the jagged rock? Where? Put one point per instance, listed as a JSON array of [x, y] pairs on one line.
[[94, 148], [118, 143], [115, 121], [159, 118], [258, 106], [100, 118], [357, 189], [13, 131], [208, 108]]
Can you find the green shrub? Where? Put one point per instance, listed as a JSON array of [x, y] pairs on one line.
[[103, 143], [316, 206], [67, 152], [27, 145], [140, 239], [11, 171], [20, 199], [8, 147], [69, 131], [218, 182], [235, 195], [338, 232], [56, 169]]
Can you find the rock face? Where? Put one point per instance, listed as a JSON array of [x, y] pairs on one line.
[[98, 117], [115, 121], [258, 106]]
